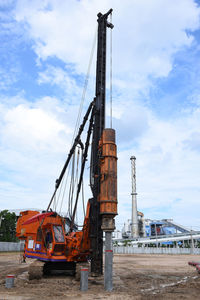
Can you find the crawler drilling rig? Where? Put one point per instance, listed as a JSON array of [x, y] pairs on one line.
[[45, 234]]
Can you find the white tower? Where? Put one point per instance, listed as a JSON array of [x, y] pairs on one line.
[[134, 226]]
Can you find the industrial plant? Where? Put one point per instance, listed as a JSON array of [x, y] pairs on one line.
[[145, 232]]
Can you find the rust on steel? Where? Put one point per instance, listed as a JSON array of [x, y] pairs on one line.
[[108, 167]]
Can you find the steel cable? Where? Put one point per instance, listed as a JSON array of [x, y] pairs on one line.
[[85, 85], [66, 181], [80, 111], [111, 72]]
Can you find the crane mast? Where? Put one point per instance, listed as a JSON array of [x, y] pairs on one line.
[[96, 233]]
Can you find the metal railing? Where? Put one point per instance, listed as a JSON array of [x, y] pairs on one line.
[[154, 250]]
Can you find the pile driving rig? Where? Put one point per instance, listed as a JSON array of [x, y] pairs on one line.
[[45, 234]]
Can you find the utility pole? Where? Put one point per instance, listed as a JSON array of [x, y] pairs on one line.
[[134, 226]]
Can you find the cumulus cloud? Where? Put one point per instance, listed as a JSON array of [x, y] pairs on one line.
[[131, 122], [59, 77], [29, 126], [34, 145], [193, 141], [147, 33], [35, 136], [166, 170]]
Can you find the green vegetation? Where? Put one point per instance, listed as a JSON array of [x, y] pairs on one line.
[[198, 244], [126, 243], [115, 244], [7, 226]]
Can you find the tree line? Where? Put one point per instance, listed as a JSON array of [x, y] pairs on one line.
[[8, 222]]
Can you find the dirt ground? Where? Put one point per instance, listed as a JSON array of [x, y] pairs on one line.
[[135, 277]]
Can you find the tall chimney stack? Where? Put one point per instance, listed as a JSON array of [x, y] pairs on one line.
[[134, 226]]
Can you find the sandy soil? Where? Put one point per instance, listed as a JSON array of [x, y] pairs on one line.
[[135, 277]]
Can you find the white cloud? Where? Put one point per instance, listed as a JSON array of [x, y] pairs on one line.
[[7, 79], [60, 77], [34, 145], [131, 122], [146, 35], [35, 142], [35, 137], [31, 126], [166, 169]]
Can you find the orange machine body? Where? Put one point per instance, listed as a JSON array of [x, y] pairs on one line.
[[46, 239], [45, 235]]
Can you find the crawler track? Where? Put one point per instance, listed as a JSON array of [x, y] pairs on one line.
[[38, 268], [35, 270]]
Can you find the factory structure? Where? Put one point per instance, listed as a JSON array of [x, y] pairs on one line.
[[140, 227], [152, 228]]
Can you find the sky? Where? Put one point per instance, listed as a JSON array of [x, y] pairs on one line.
[[44, 54]]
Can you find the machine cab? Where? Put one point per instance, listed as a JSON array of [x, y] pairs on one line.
[[51, 238]]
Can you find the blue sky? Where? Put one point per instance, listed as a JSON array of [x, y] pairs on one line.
[[44, 54]]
